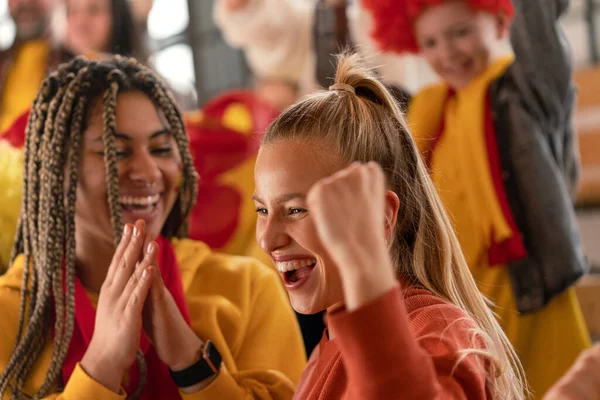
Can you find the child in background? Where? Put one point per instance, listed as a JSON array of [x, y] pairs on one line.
[[498, 139]]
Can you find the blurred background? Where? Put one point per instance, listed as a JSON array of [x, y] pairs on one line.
[[201, 56]]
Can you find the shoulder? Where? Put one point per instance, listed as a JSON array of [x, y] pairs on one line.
[[434, 318]]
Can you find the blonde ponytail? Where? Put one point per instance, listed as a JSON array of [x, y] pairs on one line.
[[363, 121]]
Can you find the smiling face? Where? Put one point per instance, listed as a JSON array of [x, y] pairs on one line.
[[458, 42], [89, 25], [31, 17], [285, 171], [148, 164]]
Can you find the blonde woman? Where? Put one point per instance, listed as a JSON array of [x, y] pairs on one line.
[[348, 214]]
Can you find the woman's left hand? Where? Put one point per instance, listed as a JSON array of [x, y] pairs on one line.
[[174, 340], [348, 209]]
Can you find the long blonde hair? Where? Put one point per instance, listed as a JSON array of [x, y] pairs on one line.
[[364, 122]]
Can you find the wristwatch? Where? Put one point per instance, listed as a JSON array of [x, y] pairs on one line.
[[208, 366]]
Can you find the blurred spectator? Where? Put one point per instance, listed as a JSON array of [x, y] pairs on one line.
[[279, 38], [101, 26], [280, 93], [25, 63]]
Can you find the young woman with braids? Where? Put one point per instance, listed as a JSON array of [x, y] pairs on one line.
[[107, 166]]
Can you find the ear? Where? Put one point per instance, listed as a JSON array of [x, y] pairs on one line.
[[502, 26], [392, 204]]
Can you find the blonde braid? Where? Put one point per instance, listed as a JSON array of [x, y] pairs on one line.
[[112, 185], [110, 158], [189, 187], [36, 329], [64, 305]]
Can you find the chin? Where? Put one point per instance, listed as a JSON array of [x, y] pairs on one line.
[[154, 217], [306, 307]]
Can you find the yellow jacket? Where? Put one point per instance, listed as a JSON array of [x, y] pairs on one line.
[[11, 185], [236, 302]]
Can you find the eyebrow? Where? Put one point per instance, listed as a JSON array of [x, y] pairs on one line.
[[281, 199], [127, 138]]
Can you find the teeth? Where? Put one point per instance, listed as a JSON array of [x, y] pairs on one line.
[[293, 265], [139, 201]]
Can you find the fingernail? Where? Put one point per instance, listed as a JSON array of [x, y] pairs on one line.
[[136, 231], [150, 247], [127, 229], [145, 274]]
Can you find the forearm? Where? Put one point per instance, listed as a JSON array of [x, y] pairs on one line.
[[365, 278]]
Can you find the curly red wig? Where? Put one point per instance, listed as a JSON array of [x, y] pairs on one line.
[[393, 19]]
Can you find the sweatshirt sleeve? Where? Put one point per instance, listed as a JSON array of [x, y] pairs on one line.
[[271, 355], [276, 36], [388, 354], [82, 386]]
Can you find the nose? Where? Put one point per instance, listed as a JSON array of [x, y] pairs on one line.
[[271, 235], [142, 167], [447, 50]]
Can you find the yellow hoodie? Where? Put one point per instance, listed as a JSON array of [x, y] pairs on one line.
[[11, 185], [236, 302]]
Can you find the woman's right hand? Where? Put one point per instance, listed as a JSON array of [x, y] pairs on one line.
[[118, 327]]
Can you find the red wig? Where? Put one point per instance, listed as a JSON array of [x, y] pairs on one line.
[[393, 19]]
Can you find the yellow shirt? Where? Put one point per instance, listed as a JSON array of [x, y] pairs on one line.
[[236, 302], [23, 81]]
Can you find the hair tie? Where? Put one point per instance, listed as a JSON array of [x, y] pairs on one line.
[[343, 87]]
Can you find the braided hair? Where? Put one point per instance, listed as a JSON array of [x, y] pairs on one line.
[[46, 228]]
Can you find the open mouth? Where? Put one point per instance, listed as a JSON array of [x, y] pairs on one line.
[[296, 272], [139, 206]]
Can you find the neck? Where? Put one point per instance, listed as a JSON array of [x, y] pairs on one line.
[[93, 256], [333, 308]]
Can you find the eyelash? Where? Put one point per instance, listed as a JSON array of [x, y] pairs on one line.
[[462, 32], [260, 210], [291, 211], [160, 152]]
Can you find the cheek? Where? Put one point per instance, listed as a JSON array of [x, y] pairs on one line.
[[105, 26], [172, 175], [304, 233], [91, 175], [476, 47], [431, 56]]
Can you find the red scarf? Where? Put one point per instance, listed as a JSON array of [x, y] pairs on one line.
[[159, 384]]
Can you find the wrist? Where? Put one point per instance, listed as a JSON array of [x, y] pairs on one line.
[[102, 371], [191, 350], [366, 277]]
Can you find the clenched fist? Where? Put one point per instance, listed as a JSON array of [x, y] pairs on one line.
[[349, 210]]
